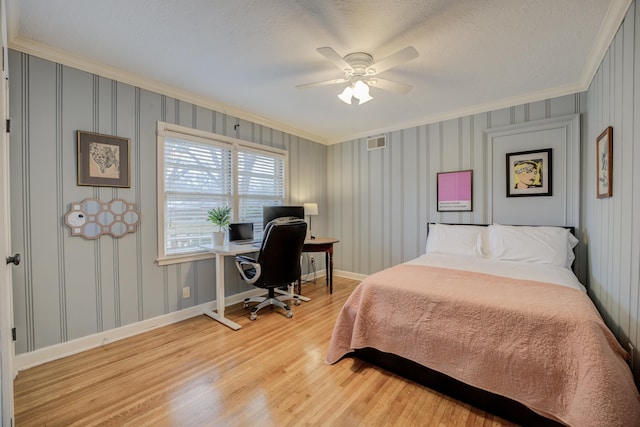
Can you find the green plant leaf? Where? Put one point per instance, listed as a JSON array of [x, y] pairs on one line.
[[220, 216]]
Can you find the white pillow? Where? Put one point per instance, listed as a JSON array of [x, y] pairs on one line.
[[455, 239], [544, 245]]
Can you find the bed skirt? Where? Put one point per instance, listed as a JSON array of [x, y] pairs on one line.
[[495, 404]]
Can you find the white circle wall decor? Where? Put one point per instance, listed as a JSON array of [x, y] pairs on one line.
[[92, 218]]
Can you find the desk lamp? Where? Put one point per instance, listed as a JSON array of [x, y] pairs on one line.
[[311, 209]]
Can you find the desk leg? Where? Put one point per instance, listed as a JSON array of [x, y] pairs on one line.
[[219, 315], [330, 263], [327, 268]]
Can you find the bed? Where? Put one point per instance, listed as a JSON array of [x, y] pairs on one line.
[[494, 310]]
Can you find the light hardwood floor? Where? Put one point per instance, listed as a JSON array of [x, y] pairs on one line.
[[201, 373]]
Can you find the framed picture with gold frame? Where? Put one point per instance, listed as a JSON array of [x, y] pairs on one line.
[[103, 160], [604, 163]]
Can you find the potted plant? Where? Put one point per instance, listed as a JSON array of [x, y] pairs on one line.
[[220, 217]]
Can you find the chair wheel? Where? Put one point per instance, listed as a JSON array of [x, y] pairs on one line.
[[253, 316], [296, 301], [289, 315], [246, 305]]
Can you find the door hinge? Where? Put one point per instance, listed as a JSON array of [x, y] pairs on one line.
[[13, 333], [8, 125]]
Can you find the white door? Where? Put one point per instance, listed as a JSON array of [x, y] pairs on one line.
[[6, 296]]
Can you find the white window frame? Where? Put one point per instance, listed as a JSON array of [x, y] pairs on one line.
[[182, 132]]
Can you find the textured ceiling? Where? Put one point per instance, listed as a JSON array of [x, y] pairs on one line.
[[245, 57]]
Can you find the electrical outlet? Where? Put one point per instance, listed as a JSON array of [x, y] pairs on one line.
[[632, 354], [186, 292]]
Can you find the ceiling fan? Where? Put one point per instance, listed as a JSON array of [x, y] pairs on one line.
[[361, 72]]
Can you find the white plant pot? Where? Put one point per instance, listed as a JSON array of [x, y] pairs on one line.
[[218, 238]]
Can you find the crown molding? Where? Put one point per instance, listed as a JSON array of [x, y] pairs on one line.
[[59, 56], [471, 110], [610, 25]]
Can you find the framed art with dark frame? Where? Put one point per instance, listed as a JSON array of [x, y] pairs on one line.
[[455, 191], [529, 173], [604, 163], [103, 160]]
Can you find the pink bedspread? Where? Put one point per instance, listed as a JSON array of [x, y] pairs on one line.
[[542, 345]]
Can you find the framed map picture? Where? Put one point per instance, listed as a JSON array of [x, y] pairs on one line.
[[103, 160]]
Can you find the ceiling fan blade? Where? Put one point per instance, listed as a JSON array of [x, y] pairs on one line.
[[404, 55], [333, 56], [322, 83], [389, 85]]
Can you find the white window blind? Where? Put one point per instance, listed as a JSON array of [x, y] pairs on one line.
[[198, 177], [261, 182]]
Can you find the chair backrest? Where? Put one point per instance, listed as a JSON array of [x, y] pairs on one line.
[[281, 249]]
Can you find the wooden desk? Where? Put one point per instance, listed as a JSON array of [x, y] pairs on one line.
[[321, 244]]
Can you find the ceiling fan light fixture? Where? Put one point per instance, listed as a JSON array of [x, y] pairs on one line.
[[364, 98], [346, 95], [360, 89], [361, 92], [360, 71]]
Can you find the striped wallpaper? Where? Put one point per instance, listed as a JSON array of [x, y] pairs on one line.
[[381, 200], [612, 225], [68, 287]]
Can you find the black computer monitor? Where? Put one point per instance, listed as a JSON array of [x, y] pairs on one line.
[[272, 212]]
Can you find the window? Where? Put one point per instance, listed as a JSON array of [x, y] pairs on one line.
[[199, 170]]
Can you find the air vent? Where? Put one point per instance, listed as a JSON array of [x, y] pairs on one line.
[[377, 142]]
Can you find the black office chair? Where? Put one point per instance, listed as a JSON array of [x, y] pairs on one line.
[[278, 263]]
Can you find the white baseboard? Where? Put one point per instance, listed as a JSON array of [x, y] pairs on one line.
[[309, 277], [338, 273], [47, 354], [349, 275]]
